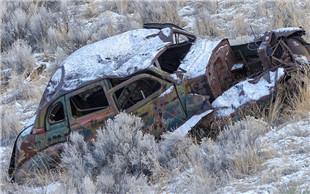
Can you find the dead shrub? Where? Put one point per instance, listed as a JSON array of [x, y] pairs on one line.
[[290, 102], [210, 165], [14, 22], [19, 58], [114, 161], [9, 125], [300, 101], [158, 12], [206, 26]]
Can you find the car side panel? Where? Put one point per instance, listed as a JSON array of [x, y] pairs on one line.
[[88, 124]]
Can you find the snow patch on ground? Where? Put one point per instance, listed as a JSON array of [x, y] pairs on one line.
[[288, 167], [187, 10], [48, 189], [3, 151]]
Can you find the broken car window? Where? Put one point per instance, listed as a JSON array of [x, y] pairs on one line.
[[88, 101], [57, 113], [135, 92], [179, 38]]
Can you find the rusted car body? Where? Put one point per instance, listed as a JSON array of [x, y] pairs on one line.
[[163, 74]]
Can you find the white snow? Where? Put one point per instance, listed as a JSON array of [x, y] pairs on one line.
[[108, 16], [3, 152], [286, 29], [167, 31], [197, 59], [295, 43], [118, 55], [27, 126], [264, 43], [54, 82], [237, 66], [168, 91], [186, 127], [175, 77], [288, 165], [186, 16], [244, 92], [187, 10], [55, 187], [302, 59]]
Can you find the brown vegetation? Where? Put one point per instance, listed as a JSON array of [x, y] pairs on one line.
[[57, 28]]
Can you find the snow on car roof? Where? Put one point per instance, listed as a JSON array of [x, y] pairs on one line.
[[281, 32], [197, 59], [116, 56]]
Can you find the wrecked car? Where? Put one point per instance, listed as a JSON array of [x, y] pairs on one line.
[[163, 74]]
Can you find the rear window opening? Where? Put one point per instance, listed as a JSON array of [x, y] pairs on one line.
[[180, 38], [171, 59], [57, 113], [88, 101]]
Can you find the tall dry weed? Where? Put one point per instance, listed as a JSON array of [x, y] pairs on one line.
[[300, 101], [280, 14], [158, 12], [290, 102], [17, 106], [9, 125]]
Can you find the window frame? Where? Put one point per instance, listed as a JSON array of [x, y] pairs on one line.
[[83, 89], [131, 80], [50, 111], [93, 109]]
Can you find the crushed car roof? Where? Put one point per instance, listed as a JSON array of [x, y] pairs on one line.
[[197, 59], [116, 56]]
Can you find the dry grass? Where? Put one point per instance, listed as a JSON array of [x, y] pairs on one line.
[[300, 103], [21, 98], [273, 111], [10, 127], [295, 105], [203, 167], [290, 102], [286, 14]]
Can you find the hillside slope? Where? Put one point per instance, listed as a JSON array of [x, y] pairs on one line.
[[37, 36]]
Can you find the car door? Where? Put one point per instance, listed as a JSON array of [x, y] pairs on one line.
[[56, 121], [88, 109], [153, 99]]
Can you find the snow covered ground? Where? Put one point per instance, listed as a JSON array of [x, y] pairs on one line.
[[286, 147], [288, 166]]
